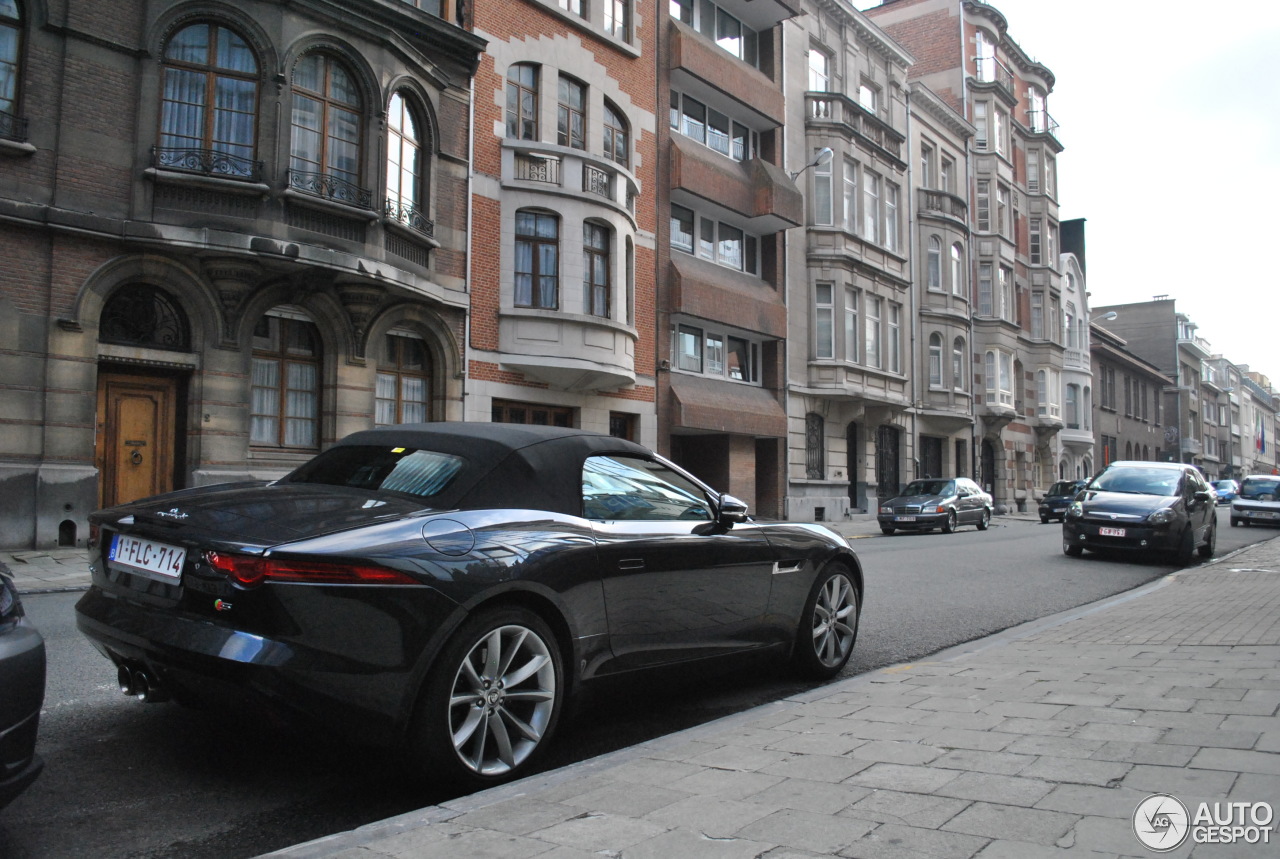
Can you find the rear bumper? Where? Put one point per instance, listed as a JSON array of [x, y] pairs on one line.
[[313, 674], [22, 681]]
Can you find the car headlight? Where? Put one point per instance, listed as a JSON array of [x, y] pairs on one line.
[[886, 509], [1163, 516], [1076, 510]]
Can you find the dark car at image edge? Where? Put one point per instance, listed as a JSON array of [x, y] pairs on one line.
[[22, 682], [1145, 508], [444, 588]]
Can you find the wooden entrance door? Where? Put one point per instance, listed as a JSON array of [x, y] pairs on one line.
[[137, 420]]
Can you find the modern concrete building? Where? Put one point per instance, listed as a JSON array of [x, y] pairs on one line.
[[966, 55], [562, 219], [233, 233], [850, 291], [725, 203]]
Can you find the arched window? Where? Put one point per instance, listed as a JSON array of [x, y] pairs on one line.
[[10, 61], [571, 114], [537, 261], [144, 315], [1128, 450], [934, 267], [595, 268], [958, 380], [406, 173], [814, 447], [326, 127], [957, 270], [522, 102], [209, 107], [285, 405], [404, 378], [935, 360], [617, 137]]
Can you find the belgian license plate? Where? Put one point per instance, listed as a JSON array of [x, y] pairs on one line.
[[1110, 532], [1059, 510], [904, 518], [156, 560]]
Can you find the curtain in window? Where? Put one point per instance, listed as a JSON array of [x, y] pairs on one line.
[[413, 399], [524, 274], [547, 268], [182, 122], [300, 406], [265, 401]]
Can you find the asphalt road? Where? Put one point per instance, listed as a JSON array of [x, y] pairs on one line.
[[125, 779]]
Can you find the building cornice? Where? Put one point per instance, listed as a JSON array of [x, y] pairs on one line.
[[866, 30], [1012, 49], [928, 102]]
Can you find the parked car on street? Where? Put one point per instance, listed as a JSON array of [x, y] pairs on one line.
[[1145, 507], [936, 503], [1258, 502], [22, 679], [1227, 490], [443, 588], [1057, 498]]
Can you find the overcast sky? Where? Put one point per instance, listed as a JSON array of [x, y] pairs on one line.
[[1170, 115]]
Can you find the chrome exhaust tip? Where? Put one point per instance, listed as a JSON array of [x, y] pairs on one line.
[[124, 676], [148, 689]]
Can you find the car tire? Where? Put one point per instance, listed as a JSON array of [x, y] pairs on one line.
[[1074, 550], [1186, 548], [484, 719], [985, 520], [949, 526], [1044, 520], [1210, 543], [1235, 523], [828, 625], [888, 532]]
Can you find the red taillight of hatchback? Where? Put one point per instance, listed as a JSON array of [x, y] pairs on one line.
[[251, 570]]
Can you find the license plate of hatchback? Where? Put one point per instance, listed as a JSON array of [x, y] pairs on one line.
[[1110, 532], [152, 559]]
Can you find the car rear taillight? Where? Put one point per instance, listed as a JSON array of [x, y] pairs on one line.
[[251, 570]]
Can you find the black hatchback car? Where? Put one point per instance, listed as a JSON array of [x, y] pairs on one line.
[[1146, 507], [22, 678], [442, 588], [1058, 498]]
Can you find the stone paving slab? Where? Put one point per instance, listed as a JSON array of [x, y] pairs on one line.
[[1037, 743]]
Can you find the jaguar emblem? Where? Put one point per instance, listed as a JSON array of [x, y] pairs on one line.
[[175, 513]]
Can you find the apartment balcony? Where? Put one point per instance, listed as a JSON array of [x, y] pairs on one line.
[[13, 128], [833, 112], [562, 171], [990, 70], [756, 190], [943, 204], [1192, 446], [702, 69], [1042, 123], [1075, 359], [206, 162]]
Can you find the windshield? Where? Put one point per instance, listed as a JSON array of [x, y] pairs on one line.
[[422, 473], [1225, 485], [930, 487], [1140, 481], [1063, 487], [1260, 488]]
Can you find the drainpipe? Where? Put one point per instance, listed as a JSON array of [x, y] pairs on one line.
[[464, 370]]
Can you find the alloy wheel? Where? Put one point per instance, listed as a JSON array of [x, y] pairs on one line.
[[835, 618], [503, 698]]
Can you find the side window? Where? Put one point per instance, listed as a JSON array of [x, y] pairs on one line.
[[634, 488]]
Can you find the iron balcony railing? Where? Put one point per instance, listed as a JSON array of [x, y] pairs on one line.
[[408, 214], [597, 181], [992, 70], [330, 187], [207, 162], [538, 168], [1043, 123], [13, 127]]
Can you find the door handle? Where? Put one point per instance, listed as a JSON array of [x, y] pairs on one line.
[[135, 458], [631, 564]]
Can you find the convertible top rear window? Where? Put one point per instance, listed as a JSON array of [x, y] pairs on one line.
[[423, 473]]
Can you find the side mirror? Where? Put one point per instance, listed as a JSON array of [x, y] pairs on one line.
[[732, 511], [1202, 495]]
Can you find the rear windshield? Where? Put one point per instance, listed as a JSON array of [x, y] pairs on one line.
[[1063, 487], [1260, 488], [422, 473]]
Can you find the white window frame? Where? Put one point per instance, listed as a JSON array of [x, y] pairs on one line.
[[894, 344], [819, 70], [959, 379], [824, 327], [933, 265], [871, 206], [935, 360], [872, 318], [957, 270], [851, 351]]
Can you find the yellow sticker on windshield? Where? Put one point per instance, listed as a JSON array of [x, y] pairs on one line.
[[397, 450]]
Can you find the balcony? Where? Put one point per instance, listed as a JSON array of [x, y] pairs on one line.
[[13, 127], [206, 162], [945, 204], [1042, 123], [326, 186], [993, 71], [407, 215], [573, 172], [1075, 359], [755, 190], [827, 110]]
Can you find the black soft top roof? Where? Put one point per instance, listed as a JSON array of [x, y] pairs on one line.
[[507, 465]]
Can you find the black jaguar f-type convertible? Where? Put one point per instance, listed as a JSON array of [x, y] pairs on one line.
[[444, 587]]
